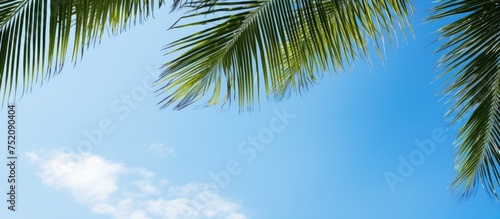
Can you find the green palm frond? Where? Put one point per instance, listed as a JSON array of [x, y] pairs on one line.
[[37, 35], [472, 53], [278, 46], [178, 4]]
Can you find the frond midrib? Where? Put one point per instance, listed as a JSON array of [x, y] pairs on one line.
[[483, 163], [237, 35]]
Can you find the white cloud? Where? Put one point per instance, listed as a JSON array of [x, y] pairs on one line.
[[160, 150], [146, 187], [111, 188], [32, 156], [142, 172], [89, 178], [195, 201]]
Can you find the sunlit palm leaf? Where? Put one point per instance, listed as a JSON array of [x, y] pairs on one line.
[[473, 55], [276, 45], [37, 35]]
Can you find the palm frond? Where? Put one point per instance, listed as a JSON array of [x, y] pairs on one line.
[[36, 36], [178, 4], [278, 46], [472, 59]]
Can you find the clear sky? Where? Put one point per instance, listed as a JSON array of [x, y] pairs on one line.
[[371, 142]]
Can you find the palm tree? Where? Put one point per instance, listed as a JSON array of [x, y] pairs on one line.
[[37, 35], [278, 46], [274, 47], [472, 58]]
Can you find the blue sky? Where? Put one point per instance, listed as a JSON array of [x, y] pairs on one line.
[[94, 144]]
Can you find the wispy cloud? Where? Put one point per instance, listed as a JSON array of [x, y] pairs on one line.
[[91, 179], [32, 156], [161, 150], [112, 188]]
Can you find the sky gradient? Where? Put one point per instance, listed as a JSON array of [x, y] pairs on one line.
[[371, 142]]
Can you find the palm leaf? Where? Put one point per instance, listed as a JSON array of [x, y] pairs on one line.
[[37, 35], [278, 46], [472, 60]]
